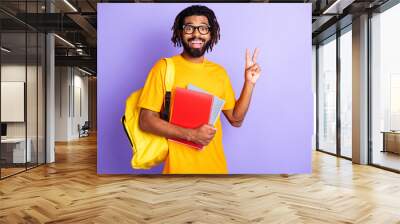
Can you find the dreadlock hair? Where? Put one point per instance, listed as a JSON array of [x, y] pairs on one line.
[[195, 10]]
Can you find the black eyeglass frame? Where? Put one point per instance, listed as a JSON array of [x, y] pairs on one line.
[[196, 28]]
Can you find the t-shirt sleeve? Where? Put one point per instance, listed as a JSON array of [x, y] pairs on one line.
[[229, 94], [152, 96]]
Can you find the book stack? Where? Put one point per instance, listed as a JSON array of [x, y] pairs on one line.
[[193, 107]]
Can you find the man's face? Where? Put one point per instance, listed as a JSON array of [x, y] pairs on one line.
[[196, 43]]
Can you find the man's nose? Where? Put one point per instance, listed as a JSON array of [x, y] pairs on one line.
[[196, 32]]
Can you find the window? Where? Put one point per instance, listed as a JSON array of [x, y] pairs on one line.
[[385, 88], [346, 93], [22, 78], [327, 95]]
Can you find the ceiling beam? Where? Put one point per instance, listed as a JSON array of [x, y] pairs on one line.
[[84, 61]]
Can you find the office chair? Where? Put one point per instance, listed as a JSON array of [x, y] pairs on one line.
[[84, 130]]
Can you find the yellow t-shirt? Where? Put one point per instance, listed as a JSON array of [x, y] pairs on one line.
[[212, 78]]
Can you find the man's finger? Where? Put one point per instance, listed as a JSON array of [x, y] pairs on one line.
[[248, 60], [252, 67], [210, 127], [255, 55]]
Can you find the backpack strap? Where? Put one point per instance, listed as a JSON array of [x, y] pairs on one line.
[[169, 81], [169, 75]]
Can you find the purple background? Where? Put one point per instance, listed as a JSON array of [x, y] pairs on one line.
[[276, 135]]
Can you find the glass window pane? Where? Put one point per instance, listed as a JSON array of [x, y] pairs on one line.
[[386, 88], [13, 86], [327, 96], [22, 89], [346, 93]]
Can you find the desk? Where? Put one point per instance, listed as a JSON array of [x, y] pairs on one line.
[[15, 148], [391, 141]]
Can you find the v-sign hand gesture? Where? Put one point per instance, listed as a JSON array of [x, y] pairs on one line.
[[252, 69]]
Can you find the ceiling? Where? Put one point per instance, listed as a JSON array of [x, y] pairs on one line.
[[76, 22]]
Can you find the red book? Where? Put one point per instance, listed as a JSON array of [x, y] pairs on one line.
[[190, 109]]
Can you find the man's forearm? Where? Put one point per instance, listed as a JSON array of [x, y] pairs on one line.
[[152, 123], [242, 104]]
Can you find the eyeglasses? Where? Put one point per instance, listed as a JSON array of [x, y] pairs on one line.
[[203, 29]]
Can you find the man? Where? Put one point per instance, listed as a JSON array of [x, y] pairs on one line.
[[197, 29]]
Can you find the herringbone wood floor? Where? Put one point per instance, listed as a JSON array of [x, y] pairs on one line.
[[70, 191]]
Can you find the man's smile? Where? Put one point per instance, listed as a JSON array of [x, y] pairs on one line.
[[196, 43]]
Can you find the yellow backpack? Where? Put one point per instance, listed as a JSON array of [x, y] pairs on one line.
[[148, 150]]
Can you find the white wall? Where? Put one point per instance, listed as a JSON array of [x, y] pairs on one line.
[[71, 93], [61, 103], [80, 110]]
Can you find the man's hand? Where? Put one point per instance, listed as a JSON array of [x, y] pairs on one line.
[[151, 122], [252, 72], [252, 69], [202, 135]]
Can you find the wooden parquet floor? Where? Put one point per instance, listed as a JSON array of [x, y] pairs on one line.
[[70, 191]]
